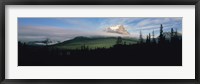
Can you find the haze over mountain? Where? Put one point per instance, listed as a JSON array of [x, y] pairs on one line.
[[99, 41]]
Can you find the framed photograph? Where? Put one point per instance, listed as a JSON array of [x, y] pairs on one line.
[[139, 41]]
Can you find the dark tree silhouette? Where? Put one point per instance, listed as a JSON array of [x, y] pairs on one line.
[[149, 38], [161, 37], [141, 38], [172, 35], [172, 32], [153, 39], [119, 40]]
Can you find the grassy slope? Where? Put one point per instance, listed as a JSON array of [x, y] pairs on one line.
[[97, 42]]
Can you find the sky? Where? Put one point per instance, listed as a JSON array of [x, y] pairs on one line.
[[61, 29]]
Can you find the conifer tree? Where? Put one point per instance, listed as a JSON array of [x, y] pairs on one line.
[[172, 35], [141, 39], [153, 39], [161, 37], [149, 38], [119, 40]]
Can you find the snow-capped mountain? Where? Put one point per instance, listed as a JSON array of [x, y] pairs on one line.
[[120, 29]]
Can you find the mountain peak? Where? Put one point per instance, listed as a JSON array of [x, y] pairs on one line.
[[119, 29]]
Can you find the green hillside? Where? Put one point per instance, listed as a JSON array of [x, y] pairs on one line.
[[95, 42]]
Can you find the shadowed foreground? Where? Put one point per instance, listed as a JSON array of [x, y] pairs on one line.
[[118, 55]]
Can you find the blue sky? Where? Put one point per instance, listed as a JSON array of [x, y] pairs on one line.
[[60, 29]]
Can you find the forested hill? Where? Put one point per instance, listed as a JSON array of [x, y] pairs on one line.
[[92, 42]]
